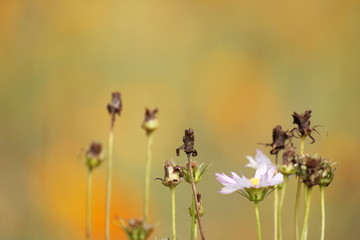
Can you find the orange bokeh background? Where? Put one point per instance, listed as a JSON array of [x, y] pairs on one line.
[[231, 70]]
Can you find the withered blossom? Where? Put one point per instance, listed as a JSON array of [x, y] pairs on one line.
[[93, 155], [136, 229], [314, 170], [151, 122], [173, 175], [279, 138], [115, 107], [189, 141], [303, 122], [288, 163]]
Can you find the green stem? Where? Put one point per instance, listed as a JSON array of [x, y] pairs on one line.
[[276, 204], [298, 193], [147, 177], [322, 196], [193, 187], [258, 220], [281, 206], [108, 186], [88, 205], [173, 212], [192, 211], [303, 235]]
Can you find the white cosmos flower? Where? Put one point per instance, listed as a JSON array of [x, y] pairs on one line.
[[260, 158], [255, 188]]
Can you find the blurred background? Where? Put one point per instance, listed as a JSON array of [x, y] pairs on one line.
[[231, 70]]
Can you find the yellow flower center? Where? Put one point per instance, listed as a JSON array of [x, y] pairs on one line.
[[255, 181]]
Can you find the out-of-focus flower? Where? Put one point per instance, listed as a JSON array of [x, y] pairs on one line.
[[256, 188], [151, 123], [173, 175], [93, 156], [136, 229], [288, 164], [115, 106], [198, 171], [259, 159]]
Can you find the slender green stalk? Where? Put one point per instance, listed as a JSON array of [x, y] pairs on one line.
[[258, 220], [193, 187], [147, 176], [283, 189], [88, 204], [298, 194], [173, 213], [322, 196], [303, 235], [193, 235], [276, 210], [108, 185]]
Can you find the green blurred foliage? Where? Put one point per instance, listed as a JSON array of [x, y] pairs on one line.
[[231, 70]]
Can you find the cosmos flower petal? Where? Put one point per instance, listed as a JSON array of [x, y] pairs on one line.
[[277, 179], [228, 190], [252, 163], [224, 179]]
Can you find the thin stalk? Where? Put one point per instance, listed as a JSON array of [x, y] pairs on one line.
[[298, 193], [283, 189], [276, 204], [322, 196], [193, 187], [147, 176], [88, 204], [258, 220], [173, 212], [303, 235], [108, 185], [192, 211]]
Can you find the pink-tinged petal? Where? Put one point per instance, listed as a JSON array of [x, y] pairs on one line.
[[261, 171], [260, 157], [228, 190], [252, 163], [224, 179], [277, 179], [245, 183]]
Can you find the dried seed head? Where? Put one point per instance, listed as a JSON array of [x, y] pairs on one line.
[[151, 123], [136, 229], [288, 164], [314, 170], [173, 175], [93, 156], [279, 138], [115, 107], [189, 141]]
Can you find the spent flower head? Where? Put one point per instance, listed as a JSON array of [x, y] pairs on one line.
[[314, 170], [198, 171], [289, 160], [151, 123], [115, 106], [173, 174], [93, 156], [136, 229], [189, 141]]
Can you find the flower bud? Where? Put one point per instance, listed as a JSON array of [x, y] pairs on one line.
[[136, 229], [151, 123], [198, 171], [93, 156]]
